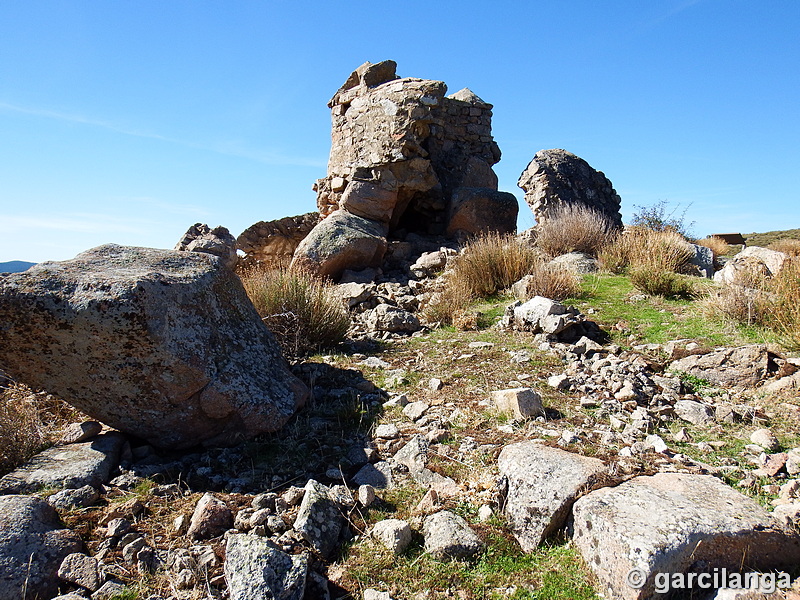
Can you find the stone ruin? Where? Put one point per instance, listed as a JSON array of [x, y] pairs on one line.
[[274, 242], [405, 158], [556, 178]]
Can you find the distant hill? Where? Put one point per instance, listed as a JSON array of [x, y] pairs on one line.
[[15, 266], [765, 239]]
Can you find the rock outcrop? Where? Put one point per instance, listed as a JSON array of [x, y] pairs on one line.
[[29, 527], [274, 242], [555, 178], [675, 523], [409, 158], [218, 242], [744, 366], [161, 344], [751, 264]]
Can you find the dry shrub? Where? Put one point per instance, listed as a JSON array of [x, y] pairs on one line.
[[29, 422], [574, 228], [787, 246], [551, 282], [739, 303], [490, 264], [642, 249], [784, 302], [717, 245], [299, 308]]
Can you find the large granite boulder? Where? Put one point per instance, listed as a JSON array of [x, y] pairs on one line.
[[555, 178], [743, 366], [71, 466], [33, 543], [342, 241], [751, 263], [481, 210], [161, 344], [675, 523], [540, 485]]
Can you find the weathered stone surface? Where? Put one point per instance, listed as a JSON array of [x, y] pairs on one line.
[[162, 344], [70, 466], [576, 262], [342, 241], [449, 536], [745, 366], [394, 534], [319, 519], [703, 259], [401, 149], [556, 177], [694, 412], [218, 242], [541, 315], [80, 432], [211, 518], [378, 475], [482, 210], [256, 569], [82, 570], [520, 403], [675, 523], [385, 317], [751, 261], [540, 485], [31, 527], [272, 243], [74, 498]]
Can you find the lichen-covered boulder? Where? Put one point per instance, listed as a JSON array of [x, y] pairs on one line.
[[482, 210], [342, 241], [33, 544], [162, 344]]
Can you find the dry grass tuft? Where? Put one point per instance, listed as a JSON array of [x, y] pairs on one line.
[[717, 245], [787, 246], [490, 264], [784, 307], [551, 282], [661, 282], [574, 228], [639, 248], [29, 422], [298, 308]]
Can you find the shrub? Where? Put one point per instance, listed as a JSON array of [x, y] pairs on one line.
[[551, 282], [661, 282], [298, 308], [787, 246], [656, 218], [574, 228], [643, 248], [742, 304], [717, 245], [29, 422], [784, 303]]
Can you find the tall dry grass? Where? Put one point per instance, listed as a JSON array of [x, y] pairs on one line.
[[29, 422], [784, 302], [488, 265], [549, 281], [716, 244], [642, 248], [574, 228], [787, 246], [299, 308]]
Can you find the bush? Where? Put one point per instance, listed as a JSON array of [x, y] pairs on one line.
[[656, 218], [298, 308], [784, 303], [642, 248], [716, 244], [661, 282], [787, 246], [574, 228], [29, 422]]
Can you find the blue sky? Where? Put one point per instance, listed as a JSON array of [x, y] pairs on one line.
[[127, 122]]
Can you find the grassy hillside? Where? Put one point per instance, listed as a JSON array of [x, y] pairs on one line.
[[765, 239]]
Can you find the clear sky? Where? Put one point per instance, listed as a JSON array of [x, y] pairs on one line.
[[127, 122]]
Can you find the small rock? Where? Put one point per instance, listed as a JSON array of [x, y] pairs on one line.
[[656, 443], [435, 384], [429, 502], [415, 410], [449, 536], [80, 432], [319, 520], [109, 590], [387, 431], [559, 382], [79, 498], [370, 594], [378, 475], [82, 570], [211, 518], [366, 495], [117, 528], [682, 436], [485, 513], [766, 439], [521, 403], [394, 534]]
